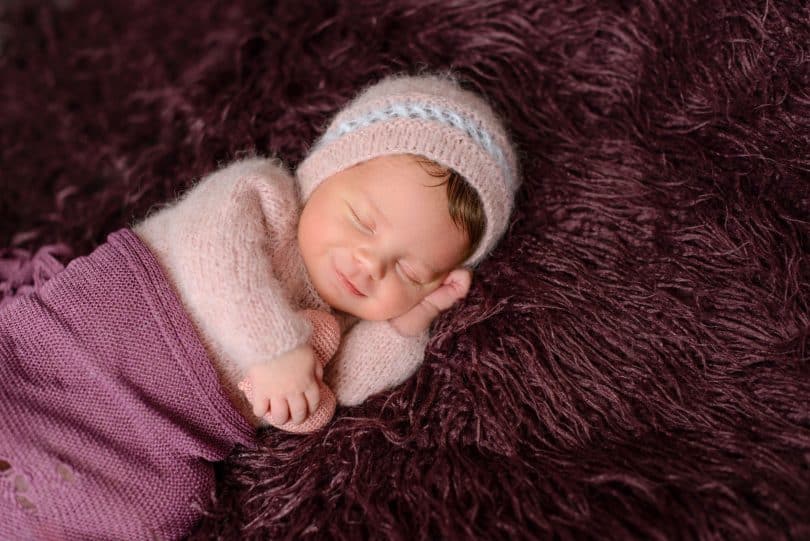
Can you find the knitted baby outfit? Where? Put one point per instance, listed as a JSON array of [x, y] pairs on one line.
[[431, 116], [229, 248], [118, 376]]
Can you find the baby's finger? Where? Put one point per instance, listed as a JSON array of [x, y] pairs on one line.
[[279, 411], [298, 408], [260, 405], [313, 397]]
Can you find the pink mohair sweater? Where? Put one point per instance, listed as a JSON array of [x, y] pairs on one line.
[[118, 377], [230, 249]]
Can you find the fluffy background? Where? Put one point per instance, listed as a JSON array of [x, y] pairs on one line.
[[633, 362]]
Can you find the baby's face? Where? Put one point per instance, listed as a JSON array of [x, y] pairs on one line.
[[380, 226]]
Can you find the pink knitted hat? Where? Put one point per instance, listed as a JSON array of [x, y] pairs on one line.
[[431, 116]]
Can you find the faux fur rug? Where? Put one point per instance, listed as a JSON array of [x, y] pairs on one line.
[[633, 362]]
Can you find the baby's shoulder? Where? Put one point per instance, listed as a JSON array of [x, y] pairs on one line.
[[254, 184], [268, 174]]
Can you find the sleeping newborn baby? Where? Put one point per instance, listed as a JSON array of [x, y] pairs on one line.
[[132, 370]]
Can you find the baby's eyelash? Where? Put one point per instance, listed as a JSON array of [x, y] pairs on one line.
[[361, 224], [406, 275]]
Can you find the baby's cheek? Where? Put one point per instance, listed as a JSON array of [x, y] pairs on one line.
[[394, 302], [411, 298]]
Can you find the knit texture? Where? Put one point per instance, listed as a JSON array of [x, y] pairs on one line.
[[229, 247], [364, 360], [110, 412], [158, 328], [432, 116]]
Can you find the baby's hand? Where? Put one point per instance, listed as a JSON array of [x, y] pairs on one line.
[[287, 386], [418, 319]]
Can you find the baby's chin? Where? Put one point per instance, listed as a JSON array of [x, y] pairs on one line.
[[363, 313], [360, 314]]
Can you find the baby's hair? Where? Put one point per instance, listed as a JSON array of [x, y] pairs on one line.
[[464, 204]]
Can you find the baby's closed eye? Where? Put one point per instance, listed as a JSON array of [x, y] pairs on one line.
[[409, 275]]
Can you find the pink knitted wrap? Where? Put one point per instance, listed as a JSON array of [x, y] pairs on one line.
[[111, 414]]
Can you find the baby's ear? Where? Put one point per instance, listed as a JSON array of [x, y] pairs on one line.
[[453, 288]]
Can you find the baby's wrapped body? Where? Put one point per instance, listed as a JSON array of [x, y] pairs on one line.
[[111, 410], [118, 378]]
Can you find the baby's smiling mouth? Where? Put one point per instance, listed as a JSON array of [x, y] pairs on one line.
[[349, 285]]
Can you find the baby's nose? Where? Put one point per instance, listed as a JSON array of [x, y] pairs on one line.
[[372, 264]]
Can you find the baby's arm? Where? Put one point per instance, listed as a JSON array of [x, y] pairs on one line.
[[373, 356], [216, 245]]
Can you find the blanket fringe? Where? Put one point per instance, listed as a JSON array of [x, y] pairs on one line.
[[22, 273]]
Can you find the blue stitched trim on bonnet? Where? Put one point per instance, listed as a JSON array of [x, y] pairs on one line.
[[423, 112]]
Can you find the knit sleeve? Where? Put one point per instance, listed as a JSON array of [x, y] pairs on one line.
[[373, 357], [219, 244]]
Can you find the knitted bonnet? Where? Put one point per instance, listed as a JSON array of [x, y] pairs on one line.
[[431, 116]]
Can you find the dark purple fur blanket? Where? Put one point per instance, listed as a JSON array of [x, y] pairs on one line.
[[633, 362]]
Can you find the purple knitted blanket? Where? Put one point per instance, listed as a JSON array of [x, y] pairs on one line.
[[634, 360], [110, 412]]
